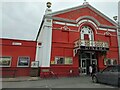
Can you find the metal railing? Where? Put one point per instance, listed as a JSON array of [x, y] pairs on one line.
[[88, 43]]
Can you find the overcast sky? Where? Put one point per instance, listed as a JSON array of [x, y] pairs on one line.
[[21, 19]]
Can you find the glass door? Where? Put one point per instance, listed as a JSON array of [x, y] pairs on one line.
[[94, 61], [83, 66]]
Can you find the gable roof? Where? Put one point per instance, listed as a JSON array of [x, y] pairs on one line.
[[71, 9], [79, 7]]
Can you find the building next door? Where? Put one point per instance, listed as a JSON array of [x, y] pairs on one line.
[[87, 59]]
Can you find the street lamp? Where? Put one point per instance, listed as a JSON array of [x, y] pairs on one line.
[[49, 4], [118, 36]]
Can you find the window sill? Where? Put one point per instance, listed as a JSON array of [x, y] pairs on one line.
[[22, 66], [61, 64]]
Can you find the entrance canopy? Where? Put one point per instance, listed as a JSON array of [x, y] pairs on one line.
[[90, 45]]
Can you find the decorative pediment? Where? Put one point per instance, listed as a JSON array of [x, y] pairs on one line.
[[107, 33], [86, 11]]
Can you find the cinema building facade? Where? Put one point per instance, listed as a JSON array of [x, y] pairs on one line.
[[70, 40], [75, 38]]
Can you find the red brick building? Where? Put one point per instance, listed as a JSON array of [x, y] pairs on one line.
[[74, 38], [16, 57]]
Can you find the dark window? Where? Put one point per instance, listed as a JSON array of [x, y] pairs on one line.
[[108, 69], [86, 37], [5, 61], [23, 61], [59, 60], [86, 55], [93, 56], [111, 69]]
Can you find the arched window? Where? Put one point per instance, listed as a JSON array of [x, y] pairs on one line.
[[87, 33]]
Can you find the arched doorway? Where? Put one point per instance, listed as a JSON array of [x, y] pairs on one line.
[[88, 57]]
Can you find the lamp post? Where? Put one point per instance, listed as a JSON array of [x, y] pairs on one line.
[[118, 36]]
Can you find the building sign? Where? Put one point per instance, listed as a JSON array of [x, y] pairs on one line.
[[5, 61], [16, 43], [35, 64], [94, 48], [91, 45], [23, 61]]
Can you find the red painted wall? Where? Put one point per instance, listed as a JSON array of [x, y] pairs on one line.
[[63, 41], [28, 48], [75, 14]]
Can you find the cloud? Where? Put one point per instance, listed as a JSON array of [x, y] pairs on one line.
[[21, 20]]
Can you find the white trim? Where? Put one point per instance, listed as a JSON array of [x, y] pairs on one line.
[[104, 34], [85, 22], [61, 23], [81, 21], [69, 24], [93, 23], [111, 30], [92, 19], [104, 29]]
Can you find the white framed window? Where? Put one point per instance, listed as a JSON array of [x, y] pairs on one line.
[[23, 61], [87, 31], [5, 61], [110, 61], [63, 60], [68, 60], [59, 60]]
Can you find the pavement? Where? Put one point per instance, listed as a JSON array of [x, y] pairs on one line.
[[19, 79], [63, 82]]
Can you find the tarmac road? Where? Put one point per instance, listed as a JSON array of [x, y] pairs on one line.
[[71, 82]]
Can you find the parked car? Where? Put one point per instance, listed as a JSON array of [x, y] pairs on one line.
[[110, 75]]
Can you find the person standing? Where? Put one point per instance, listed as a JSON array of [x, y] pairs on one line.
[[90, 70]]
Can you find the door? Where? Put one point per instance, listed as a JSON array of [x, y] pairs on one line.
[[87, 59], [94, 61], [88, 63], [83, 66]]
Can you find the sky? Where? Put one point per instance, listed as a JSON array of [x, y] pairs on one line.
[[21, 19]]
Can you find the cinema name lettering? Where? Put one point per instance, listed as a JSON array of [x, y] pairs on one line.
[[91, 45]]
